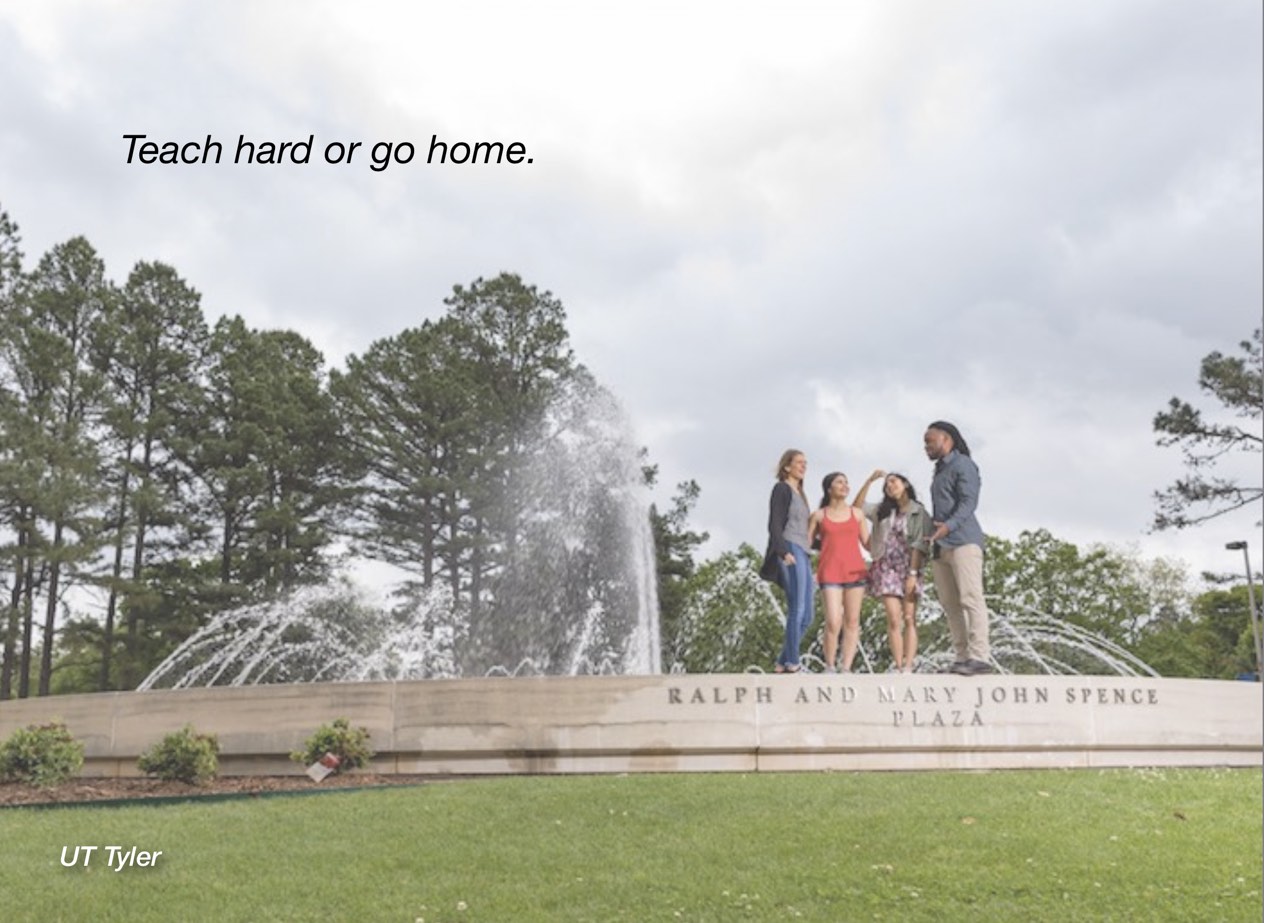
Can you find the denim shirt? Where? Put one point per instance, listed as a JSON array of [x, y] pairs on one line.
[[954, 494]]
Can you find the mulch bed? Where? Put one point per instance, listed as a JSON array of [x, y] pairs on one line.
[[76, 791]]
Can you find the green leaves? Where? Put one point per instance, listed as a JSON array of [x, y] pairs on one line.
[[52, 397], [182, 756], [1211, 638], [40, 755], [1237, 383], [265, 449], [731, 618], [350, 745], [171, 470]]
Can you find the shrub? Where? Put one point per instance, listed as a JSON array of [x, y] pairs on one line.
[[40, 754], [350, 745], [182, 756]]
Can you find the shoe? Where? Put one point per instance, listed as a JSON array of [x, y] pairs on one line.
[[976, 667], [960, 667], [831, 669]]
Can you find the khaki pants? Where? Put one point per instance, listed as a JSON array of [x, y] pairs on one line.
[[959, 585]]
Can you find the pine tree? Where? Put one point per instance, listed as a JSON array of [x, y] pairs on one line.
[[264, 448], [516, 339], [14, 492], [1237, 383], [410, 407], [150, 352], [50, 419]]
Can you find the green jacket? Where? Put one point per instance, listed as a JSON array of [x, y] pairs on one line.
[[917, 529]]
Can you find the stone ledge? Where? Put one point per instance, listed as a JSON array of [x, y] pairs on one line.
[[689, 723]]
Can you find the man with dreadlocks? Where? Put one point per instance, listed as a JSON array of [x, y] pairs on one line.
[[958, 547]]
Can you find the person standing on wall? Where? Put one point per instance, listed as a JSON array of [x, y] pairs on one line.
[[786, 561], [841, 573], [957, 559], [899, 546]]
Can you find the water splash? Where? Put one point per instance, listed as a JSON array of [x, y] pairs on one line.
[[579, 586], [577, 594], [333, 633], [1023, 640], [1021, 635]]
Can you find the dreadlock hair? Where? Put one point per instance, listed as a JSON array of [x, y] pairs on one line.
[[958, 442]]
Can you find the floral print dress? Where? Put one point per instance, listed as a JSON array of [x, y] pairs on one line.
[[886, 576]]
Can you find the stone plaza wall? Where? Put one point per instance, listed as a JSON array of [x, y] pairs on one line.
[[695, 722]]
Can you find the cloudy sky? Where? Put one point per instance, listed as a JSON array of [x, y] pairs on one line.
[[810, 225]]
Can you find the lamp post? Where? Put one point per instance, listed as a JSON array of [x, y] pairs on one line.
[[1250, 589]]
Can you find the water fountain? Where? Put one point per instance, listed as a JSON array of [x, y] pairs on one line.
[[266, 677], [1023, 641], [331, 633], [733, 621], [577, 595]]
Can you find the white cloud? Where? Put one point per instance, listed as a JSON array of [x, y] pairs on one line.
[[821, 227]]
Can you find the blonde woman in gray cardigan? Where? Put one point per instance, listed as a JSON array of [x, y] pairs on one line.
[[899, 546]]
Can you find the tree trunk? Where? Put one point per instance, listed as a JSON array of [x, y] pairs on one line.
[[50, 615], [28, 628], [14, 620], [116, 573], [476, 568], [226, 551], [428, 528], [134, 627]]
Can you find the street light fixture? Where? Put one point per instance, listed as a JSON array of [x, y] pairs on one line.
[[1250, 589]]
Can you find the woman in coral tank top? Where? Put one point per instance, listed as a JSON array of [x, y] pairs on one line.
[[840, 572]]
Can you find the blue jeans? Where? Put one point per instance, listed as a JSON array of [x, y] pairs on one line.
[[796, 580]]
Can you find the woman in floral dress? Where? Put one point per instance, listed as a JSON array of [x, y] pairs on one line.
[[899, 547]]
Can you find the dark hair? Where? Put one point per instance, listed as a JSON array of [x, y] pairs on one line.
[[888, 504], [825, 486], [958, 442]]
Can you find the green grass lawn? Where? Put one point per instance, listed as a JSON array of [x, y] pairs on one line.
[[1048, 845]]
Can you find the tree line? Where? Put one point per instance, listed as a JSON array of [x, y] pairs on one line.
[[163, 467], [728, 619], [157, 468]]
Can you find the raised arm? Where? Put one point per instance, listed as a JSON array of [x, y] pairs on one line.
[[859, 499]]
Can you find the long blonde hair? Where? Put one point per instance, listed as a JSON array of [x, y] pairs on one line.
[[786, 458]]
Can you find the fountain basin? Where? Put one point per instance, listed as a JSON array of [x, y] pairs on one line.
[[689, 722]]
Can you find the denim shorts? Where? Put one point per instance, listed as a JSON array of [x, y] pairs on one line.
[[843, 586]]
